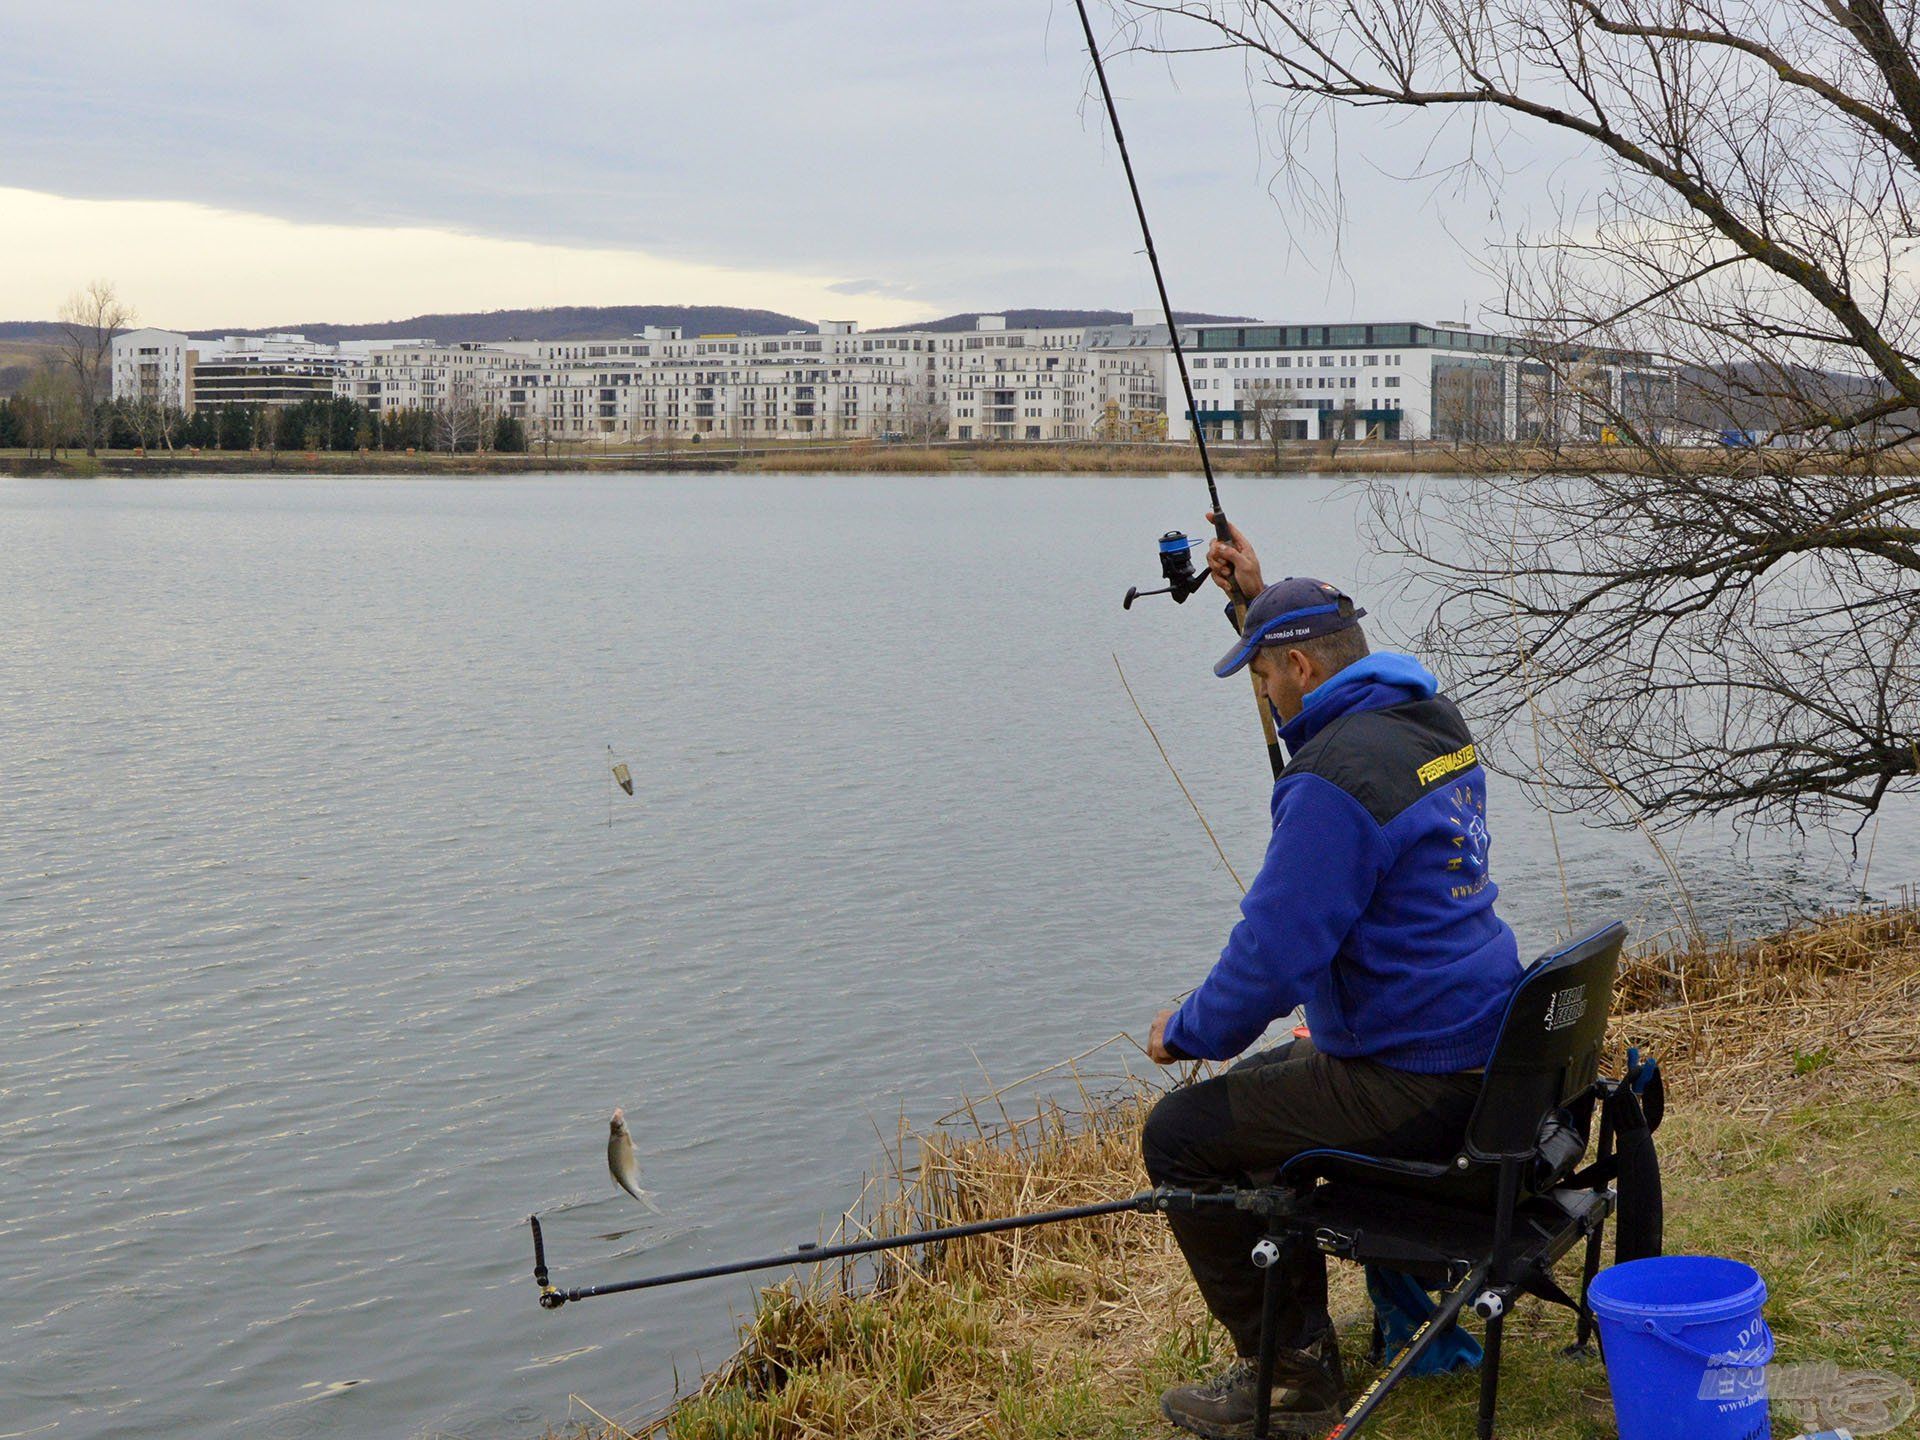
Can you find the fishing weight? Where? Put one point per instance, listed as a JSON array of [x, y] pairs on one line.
[[1176, 568]]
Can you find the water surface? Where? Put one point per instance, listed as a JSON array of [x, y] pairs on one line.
[[326, 946]]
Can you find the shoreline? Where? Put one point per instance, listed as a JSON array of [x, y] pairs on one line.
[[941, 458], [1789, 1057]]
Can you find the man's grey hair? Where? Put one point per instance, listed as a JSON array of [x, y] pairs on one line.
[[1336, 651]]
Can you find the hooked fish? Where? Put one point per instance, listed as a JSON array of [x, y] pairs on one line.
[[622, 1163]]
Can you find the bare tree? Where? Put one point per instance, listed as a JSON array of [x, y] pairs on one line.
[[456, 421], [1267, 406], [50, 408], [927, 417], [151, 419], [88, 322], [1734, 318]]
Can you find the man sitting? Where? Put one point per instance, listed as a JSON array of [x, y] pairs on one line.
[[1373, 909]]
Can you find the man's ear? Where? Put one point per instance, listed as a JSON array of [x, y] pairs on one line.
[[1301, 666]]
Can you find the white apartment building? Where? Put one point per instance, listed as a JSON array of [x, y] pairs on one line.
[[1403, 381], [661, 384], [156, 366], [990, 383], [392, 375], [1039, 384], [182, 372]]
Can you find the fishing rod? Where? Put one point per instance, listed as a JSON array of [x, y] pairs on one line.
[[1270, 1204], [1176, 563], [552, 1298]]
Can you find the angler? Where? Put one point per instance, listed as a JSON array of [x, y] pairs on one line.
[[1374, 910], [1445, 1097]]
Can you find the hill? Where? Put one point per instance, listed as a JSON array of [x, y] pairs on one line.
[[32, 332], [561, 322], [600, 322], [19, 359], [564, 322]]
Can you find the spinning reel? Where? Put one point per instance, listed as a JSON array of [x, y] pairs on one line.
[[1176, 568]]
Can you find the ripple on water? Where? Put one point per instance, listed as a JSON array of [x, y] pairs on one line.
[[323, 967]]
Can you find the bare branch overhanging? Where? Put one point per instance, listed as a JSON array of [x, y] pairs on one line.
[[1726, 628]]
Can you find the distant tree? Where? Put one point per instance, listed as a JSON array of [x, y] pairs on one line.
[[509, 435], [131, 421], [540, 430], [201, 430], [52, 409], [454, 425], [349, 424], [88, 322], [12, 431], [927, 418], [233, 428], [1266, 407], [400, 430]]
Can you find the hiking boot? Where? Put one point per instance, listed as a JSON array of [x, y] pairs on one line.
[[1309, 1396]]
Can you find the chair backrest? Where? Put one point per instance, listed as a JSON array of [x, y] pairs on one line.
[[1549, 1048]]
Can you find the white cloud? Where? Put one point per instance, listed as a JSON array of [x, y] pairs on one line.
[[951, 153], [190, 266]]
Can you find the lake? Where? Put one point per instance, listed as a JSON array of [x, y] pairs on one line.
[[327, 945]]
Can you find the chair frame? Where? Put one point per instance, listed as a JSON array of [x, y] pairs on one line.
[[1529, 1131]]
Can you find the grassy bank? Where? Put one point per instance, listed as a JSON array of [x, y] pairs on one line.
[[861, 458], [1792, 1142], [292, 463], [867, 457]]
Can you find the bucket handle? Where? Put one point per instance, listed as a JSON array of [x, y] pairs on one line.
[[1762, 1352]]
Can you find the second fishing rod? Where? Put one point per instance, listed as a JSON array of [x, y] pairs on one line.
[[1175, 554]]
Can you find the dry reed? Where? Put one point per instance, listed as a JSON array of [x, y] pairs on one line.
[[1060, 1331]]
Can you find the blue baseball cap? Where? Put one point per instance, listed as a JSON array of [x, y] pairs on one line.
[[1296, 608]]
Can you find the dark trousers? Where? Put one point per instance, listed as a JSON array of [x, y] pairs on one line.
[[1237, 1128]]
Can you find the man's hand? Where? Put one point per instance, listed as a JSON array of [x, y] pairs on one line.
[[1157, 1040], [1235, 568]]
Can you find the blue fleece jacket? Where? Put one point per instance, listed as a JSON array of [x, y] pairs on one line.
[[1373, 907]]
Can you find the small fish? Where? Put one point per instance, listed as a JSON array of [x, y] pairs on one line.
[[622, 1164]]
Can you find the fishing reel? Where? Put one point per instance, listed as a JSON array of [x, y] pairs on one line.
[[1176, 568]]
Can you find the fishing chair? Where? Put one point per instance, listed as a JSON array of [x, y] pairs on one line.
[[1488, 1225]]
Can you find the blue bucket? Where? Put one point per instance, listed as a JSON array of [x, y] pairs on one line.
[[1686, 1347]]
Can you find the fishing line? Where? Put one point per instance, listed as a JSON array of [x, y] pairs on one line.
[[1177, 780], [1221, 529]]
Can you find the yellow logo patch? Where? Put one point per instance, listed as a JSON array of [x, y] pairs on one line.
[[1460, 759]]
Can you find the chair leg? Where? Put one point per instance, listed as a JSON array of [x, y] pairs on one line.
[[1268, 1255], [1444, 1315], [1583, 1332], [1490, 1376], [1502, 1241]]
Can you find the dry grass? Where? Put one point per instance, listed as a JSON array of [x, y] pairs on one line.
[[1089, 458], [1368, 458], [1766, 1023], [1792, 1137]]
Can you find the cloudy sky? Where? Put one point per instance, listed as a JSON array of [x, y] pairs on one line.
[[879, 160]]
